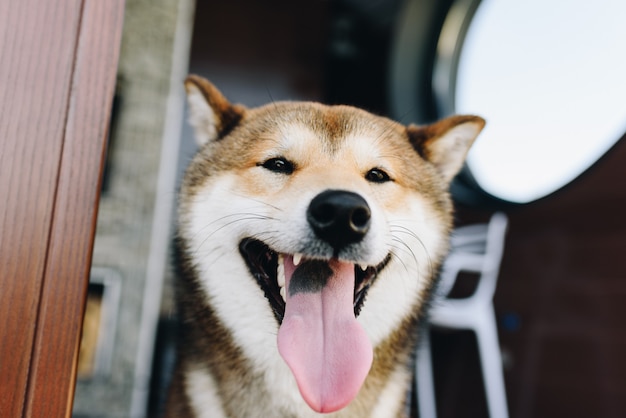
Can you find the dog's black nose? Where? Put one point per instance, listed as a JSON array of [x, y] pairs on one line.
[[339, 217]]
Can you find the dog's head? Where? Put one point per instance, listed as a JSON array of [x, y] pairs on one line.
[[317, 208]]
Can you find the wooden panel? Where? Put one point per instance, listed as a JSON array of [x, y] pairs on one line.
[[35, 74], [56, 81]]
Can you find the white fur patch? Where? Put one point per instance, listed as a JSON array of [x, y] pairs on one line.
[[220, 218], [202, 391], [393, 396], [201, 116], [399, 285], [450, 150]]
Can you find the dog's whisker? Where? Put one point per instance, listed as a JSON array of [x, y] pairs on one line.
[[258, 201], [243, 217], [403, 248], [404, 231], [400, 260], [232, 215], [230, 223], [400, 229]]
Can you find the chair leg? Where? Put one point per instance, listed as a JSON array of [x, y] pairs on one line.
[[426, 403], [491, 363]]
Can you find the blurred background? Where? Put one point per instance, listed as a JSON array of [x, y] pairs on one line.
[[547, 76]]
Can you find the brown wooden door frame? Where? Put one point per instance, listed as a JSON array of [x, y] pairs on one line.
[[57, 78]]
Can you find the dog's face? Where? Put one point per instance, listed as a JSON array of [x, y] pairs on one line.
[[320, 224]]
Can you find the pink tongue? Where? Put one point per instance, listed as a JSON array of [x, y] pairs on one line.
[[326, 349]]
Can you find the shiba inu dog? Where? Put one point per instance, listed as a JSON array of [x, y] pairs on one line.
[[309, 240]]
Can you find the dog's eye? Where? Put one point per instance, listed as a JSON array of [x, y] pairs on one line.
[[278, 165], [376, 175]]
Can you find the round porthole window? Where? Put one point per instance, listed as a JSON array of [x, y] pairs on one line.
[[550, 78]]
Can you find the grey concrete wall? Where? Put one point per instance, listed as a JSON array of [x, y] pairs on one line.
[[134, 219]]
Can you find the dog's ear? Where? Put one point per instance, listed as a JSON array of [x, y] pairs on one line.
[[210, 114], [446, 143]]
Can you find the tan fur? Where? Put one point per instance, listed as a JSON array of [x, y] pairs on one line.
[[330, 147]]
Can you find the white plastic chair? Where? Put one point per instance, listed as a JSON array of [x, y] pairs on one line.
[[477, 249]]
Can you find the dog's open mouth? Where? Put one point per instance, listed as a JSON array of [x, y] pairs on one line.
[[316, 303], [267, 267]]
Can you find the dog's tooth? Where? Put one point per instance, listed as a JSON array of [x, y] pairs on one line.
[[283, 293], [280, 271], [280, 276], [297, 258], [363, 266]]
